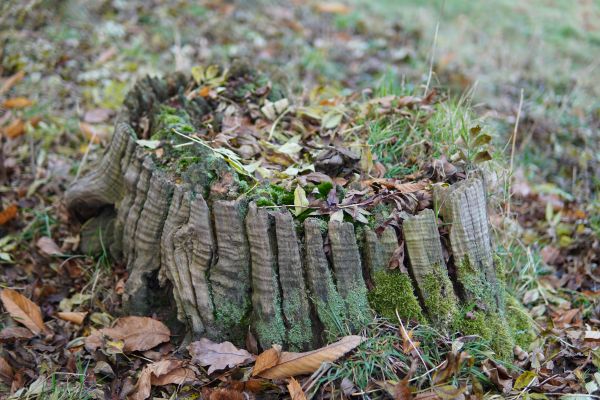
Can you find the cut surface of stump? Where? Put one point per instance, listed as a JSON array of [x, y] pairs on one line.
[[208, 242]]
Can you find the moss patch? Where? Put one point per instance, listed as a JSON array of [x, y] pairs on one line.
[[491, 327], [332, 313], [299, 333], [394, 291], [232, 320], [476, 287], [359, 312], [521, 324], [440, 300]]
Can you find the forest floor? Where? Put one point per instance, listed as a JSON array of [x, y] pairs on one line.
[[528, 71]]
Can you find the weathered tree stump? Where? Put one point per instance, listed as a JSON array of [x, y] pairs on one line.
[[227, 266]]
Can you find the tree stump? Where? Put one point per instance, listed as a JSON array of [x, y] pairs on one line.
[[226, 266]]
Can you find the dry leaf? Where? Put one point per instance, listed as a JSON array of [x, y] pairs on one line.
[[17, 102], [90, 132], [12, 333], [266, 359], [138, 333], [592, 336], [15, 129], [333, 8], [218, 355], [23, 310], [97, 115], [402, 390], [11, 81], [292, 364], [93, 341], [8, 214], [71, 316], [6, 371], [48, 246], [161, 373], [296, 392]]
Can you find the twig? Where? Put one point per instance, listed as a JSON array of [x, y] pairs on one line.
[[433, 48], [512, 153]]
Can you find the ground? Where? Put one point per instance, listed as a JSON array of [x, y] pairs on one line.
[[526, 71]]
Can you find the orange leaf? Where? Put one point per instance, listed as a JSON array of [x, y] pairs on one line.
[[15, 129], [74, 317], [205, 91], [266, 359], [23, 310], [333, 8], [8, 214], [292, 364], [296, 392], [17, 102]]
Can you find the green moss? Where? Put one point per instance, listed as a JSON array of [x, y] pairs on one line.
[[332, 313], [394, 291], [477, 288], [521, 324], [489, 326], [299, 333], [232, 319], [359, 312], [271, 330], [440, 300]]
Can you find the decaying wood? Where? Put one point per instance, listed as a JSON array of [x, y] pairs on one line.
[[232, 267], [427, 266], [463, 208]]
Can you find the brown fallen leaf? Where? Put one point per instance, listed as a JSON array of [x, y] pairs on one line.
[[218, 355], [138, 333], [93, 133], [17, 102], [47, 246], [296, 392], [164, 372], [8, 214], [93, 341], [23, 310], [13, 333], [11, 81], [292, 364], [332, 8], [592, 336], [6, 371], [266, 359], [15, 129], [72, 316], [498, 374]]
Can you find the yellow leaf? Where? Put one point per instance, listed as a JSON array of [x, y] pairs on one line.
[[292, 364], [524, 380], [23, 310], [17, 102], [296, 392], [300, 200], [15, 129]]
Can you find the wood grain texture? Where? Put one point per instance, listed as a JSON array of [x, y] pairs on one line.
[[348, 272], [230, 277], [266, 301], [295, 305], [428, 269], [378, 251]]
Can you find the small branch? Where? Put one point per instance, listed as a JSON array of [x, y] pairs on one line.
[[512, 153]]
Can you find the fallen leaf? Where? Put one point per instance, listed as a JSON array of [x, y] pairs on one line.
[[498, 374], [292, 364], [72, 316], [12, 333], [266, 359], [97, 115], [138, 333], [93, 341], [6, 371], [93, 133], [8, 214], [17, 102], [524, 380], [161, 373], [15, 129], [402, 390], [11, 81], [48, 246], [218, 355], [296, 392], [300, 200], [23, 310], [333, 8], [592, 336]]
